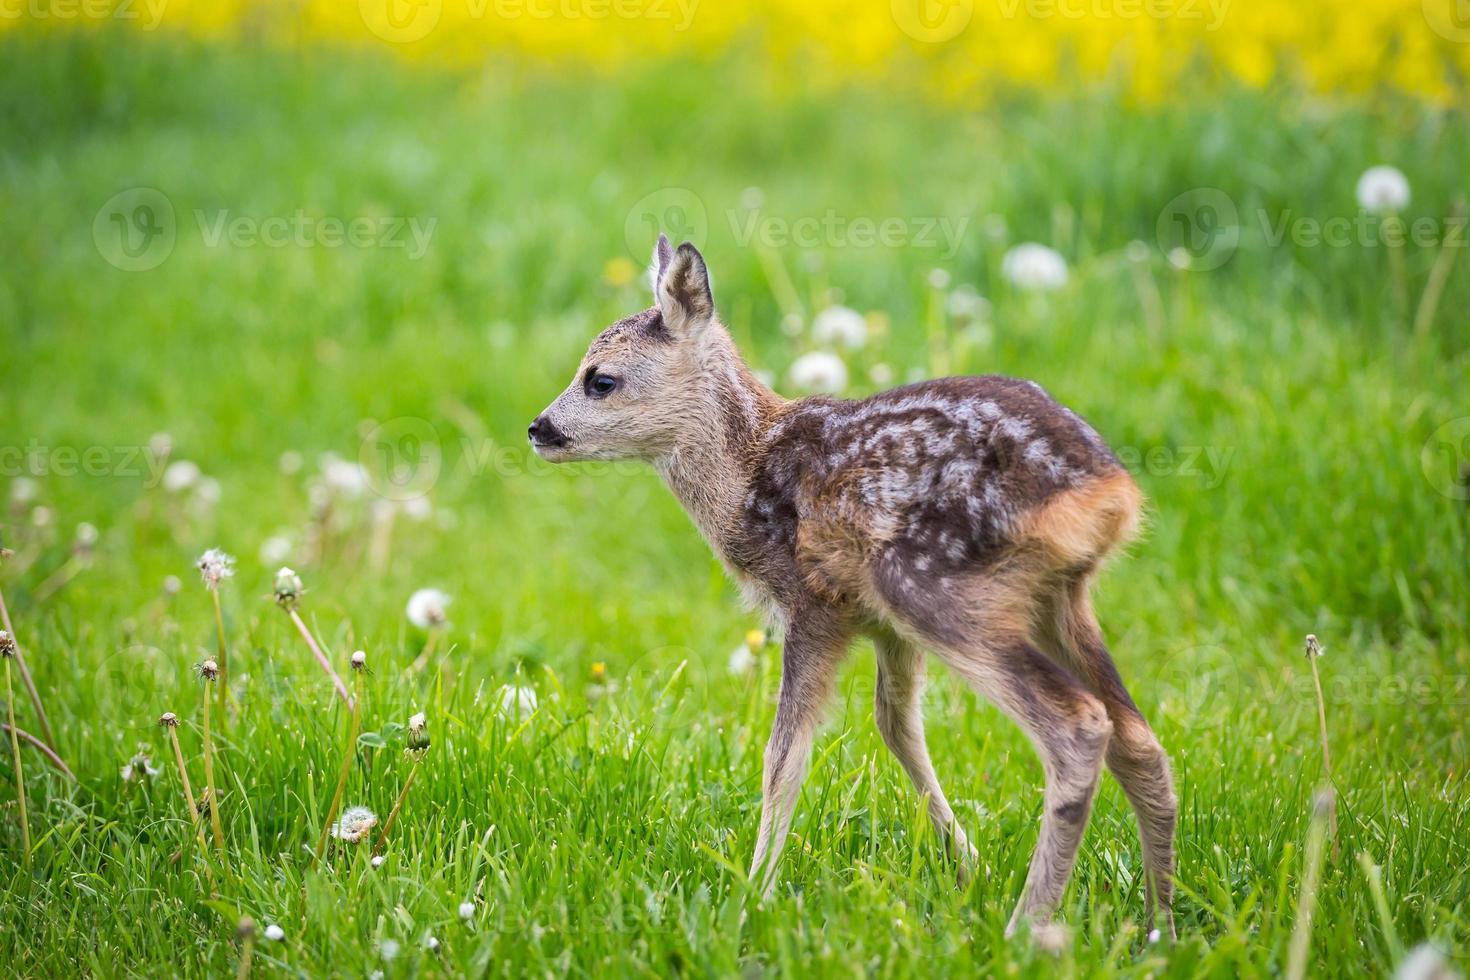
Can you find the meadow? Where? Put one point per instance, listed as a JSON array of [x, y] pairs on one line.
[[340, 284]]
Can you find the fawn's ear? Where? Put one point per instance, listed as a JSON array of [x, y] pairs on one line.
[[663, 254], [681, 289]]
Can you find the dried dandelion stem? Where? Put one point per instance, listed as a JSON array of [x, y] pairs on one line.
[[321, 658], [170, 721], [41, 747], [224, 668], [214, 819], [1314, 650], [25, 677], [397, 805], [7, 654], [1301, 936], [352, 730]]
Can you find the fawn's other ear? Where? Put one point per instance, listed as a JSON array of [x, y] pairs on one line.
[[681, 289]]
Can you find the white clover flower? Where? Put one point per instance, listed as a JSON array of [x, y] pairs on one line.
[[23, 490], [1030, 266], [819, 371], [466, 910], [1383, 190], [516, 703], [426, 608], [354, 824], [181, 475], [275, 550], [342, 477], [214, 567], [839, 325], [274, 933], [742, 660]]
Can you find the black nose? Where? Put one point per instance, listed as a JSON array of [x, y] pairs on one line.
[[543, 433]]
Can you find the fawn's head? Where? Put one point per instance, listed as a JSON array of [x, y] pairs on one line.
[[632, 394]]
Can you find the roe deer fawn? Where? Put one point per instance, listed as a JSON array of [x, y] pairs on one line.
[[965, 516]]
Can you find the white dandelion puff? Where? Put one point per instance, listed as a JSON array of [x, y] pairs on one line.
[[427, 608], [354, 824], [840, 326], [275, 550], [819, 371], [214, 567], [466, 910], [343, 477], [516, 703], [181, 475], [742, 660], [1383, 189], [1035, 267], [274, 933]]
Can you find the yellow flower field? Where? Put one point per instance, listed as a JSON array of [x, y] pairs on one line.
[[957, 49]]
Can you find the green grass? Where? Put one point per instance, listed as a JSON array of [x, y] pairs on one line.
[[1279, 408]]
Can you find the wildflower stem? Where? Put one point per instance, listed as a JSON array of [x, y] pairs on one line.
[[1326, 754], [198, 824], [1301, 936], [1439, 274], [397, 805], [25, 678], [321, 658], [430, 645], [224, 663], [247, 952], [20, 783], [214, 818], [347, 754], [41, 747]]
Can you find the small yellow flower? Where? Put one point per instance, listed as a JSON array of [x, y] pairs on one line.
[[756, 640], [619, 272], [599, 673]]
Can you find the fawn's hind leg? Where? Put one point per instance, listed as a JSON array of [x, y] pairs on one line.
[[1070, 729], [814, 646], [1070, 632], [900, 719]]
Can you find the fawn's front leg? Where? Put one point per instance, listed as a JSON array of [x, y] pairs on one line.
[[814, 646]]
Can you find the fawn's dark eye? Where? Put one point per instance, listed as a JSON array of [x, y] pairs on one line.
[[599, 385]]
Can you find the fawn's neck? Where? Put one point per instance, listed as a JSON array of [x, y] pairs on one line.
[[710, 468]]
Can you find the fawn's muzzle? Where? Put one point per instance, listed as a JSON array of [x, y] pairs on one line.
[[543, 433]]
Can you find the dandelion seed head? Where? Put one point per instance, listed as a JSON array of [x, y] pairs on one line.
[[1034, 267], [275, 549], [274, 933], [427, 608], [840, 326], [1051, 938], [388, 949], [245, 928], [379, 860], [168, 720], [208, 669], [7, 645], [431, 943], [466, 910], [214, 567], [287, 588], [353, 825], [359, 660], [1383, 189], [23, 490], [172, 585], [516, 703], [742, 661], [819, 371], [86, 536], [181, 475], [1314, 647]]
